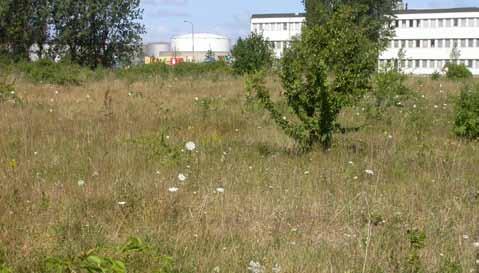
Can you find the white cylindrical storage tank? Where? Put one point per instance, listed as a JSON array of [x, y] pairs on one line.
[[203, 43], [154, 49]]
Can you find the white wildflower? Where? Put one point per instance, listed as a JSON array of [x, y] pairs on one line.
[[476, 244], [182, 177], [173, 189], [351, 163], [306, 173], [465, 237], [355, 178], [276, 268], [284, 118], [390, 137], [255, 267], [190, 146], [220, 190], [197, 99], [122, 203], [414, 106], [436, 106], [369, 172], [158, 172], [81, 183], [216, 269]]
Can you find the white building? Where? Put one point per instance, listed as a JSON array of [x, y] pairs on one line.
[[427, 37]]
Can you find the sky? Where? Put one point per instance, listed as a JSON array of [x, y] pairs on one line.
[[165, 18]]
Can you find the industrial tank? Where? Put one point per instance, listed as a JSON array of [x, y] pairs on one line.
[[154, 49], [203, 43]]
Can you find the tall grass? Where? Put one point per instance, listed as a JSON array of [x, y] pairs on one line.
[[87, 167]]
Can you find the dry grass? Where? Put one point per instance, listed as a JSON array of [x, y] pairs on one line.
[[318, 212]]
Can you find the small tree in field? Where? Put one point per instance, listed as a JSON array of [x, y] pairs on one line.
[[321, 73], [252, 54]]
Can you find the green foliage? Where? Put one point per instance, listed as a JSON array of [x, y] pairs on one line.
[[93, 262], [97, 32], [390, 88], [449, 265], [417, 241], [252, 54], [467, 113], [324, 71], [378, 13], [436, 76], [7, 92], [457, 71], [46, 71], [5, 269]]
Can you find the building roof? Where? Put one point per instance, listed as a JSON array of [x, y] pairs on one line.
[[408, 11], [450, 10], [278, 15]]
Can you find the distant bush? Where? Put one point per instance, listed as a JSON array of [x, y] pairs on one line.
[[46, 71], [467, 113], [436, 76], [390, 88], [457, 71], [147, 71], [252, 54]]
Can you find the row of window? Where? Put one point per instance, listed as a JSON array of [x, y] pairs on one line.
[[433, 23], [431, 64], [277, 26], [280, 44], [434, 43]]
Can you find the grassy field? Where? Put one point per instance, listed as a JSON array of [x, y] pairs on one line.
[[87, 167]]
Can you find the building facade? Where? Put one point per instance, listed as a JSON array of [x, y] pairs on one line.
[[424, 42]]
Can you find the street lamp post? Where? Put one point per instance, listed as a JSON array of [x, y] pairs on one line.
[[192, 37]]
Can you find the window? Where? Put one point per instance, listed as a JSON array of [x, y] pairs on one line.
[[440, 43], [403, 63], [418, 64], [463, 22], [432, 63], [455, 42], [433, 43], [477, 63], [433, 23], [477, 42], [448, 43], [261, 27], [396, 43], [470, 43], [425, 43], [441, 22], [463, 42], [471, 22], [409, 63], [418, 43], [448, 22], [404, 23], [403, 43], [469, 63], [285, 26], [424, 63], [411, 23], [456, 22], [426, 23], [410, 43], [418, 23], [397, 23]]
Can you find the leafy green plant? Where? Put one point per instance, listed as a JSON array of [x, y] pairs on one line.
[[436, 76], [467, 113], [390, 88], [93, 262], [417, 241], [324, 71], [252, 54], [7, 92], [457, 71]]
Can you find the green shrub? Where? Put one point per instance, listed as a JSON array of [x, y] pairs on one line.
[[467, 113], [252, 54], [390, 88], [46, 71], [457, 71], [436, 76], [324, 71]]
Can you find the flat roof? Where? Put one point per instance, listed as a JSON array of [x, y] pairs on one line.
[[408, 11]]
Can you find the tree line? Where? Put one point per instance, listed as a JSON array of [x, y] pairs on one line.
[[89, 32]]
